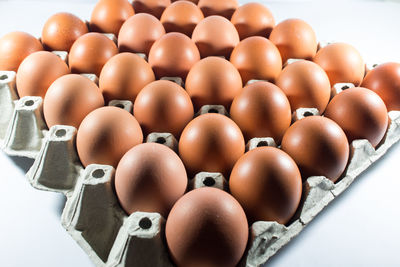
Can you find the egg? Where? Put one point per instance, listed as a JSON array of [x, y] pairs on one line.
[[253, 19], [37, 72], [15, 47], [295, 39], [318, 146], [215, 36], [61, 30], [90, 52], [306, 85], [342, 62], [361, 114], [173, 55], [213, 81], [385, 81], [105, 135], [153, 7], [139, 32], [206, 227], [267, 183], [123, 76], [222, 8], [257, 58], [181, 16], [163, 106], [150, 177], [193, 1], [262, 110]]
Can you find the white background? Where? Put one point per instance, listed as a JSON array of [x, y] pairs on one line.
[[360, 228]]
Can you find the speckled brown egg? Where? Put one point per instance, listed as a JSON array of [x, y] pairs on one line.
[[222, 8], [153, 7]]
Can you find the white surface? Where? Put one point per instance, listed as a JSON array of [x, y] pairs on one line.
[[360, 228]]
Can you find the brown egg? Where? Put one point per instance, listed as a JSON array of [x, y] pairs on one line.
[[105, 135], [90, 52], [139, 32], [181, 16], [150, 178], [213, 81], [295, 39], [262, 110], [385, 81], [163, 106], [153, 7], [215, 36], [193, 1], [123, 76], [109, 15], [361, 114], [342, 63], [222, 8], [61, 30], [253, 19], [257, 58], [318, 146], [306, 85], [15, 47], [207, 227], [173, 55], [267, 183], [37, 72]]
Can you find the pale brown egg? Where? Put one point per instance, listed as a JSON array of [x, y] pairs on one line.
[[15, 47], [193, 1], [153, 7], [222, 8]]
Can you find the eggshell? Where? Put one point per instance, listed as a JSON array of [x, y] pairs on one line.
[[262, 110], [90, 52], [342, 62], [173, 55], [105, 135], [153, 7], [222, 8], [61, 30], [253, 19], [267, 183], [193, 1], [318, 146], [139, 32], [213, 81], [295, 39], [37, 72], [215, 36], [385, 81], [123, 76], [15, 47], [206, 227], [257, 58], [163, 106], [306, 85]]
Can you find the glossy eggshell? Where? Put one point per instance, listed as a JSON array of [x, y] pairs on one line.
[[222, 8], [123, 76], [206, 227], [262, 110], [318, 146], [173, 55], [342, 62], [267, 183], [253, 19], [153, 7], [150, 178], [306, 85], [213, 81], [163, 106], [215, 36], [69, 99], [37, 72], [257, 58], [15, 47], [139, 32], [385, 81], [105, 135], [361, 114], [61, 30], [295, 39]]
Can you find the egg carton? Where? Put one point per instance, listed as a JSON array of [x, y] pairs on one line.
[[92, 214]]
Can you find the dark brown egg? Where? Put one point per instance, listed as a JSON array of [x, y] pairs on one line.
[[153, 7], [207, 227], [222, 8], [318, 146]]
